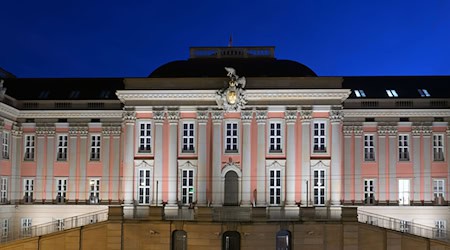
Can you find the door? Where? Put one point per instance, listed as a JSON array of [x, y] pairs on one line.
[[231, 189], [403, 192]]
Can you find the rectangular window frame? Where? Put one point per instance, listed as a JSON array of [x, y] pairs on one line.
[[144, 186], [62, 147], [26, 227], [3, 190], [5, 228], [5, 145], [145, 137], [96, 140], [369, 191], [438, 147], [28, 190], [61, 190], [94, 190], [275, 136], [319, 187], [439, 189], [232, 135], [369, 147], [187, 186], [403, 147], [319, 143], [440, 228], [188, 137], [275, 187], [29, 147]]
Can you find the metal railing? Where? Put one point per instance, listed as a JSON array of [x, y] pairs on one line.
[[403, 226], [56, 225]]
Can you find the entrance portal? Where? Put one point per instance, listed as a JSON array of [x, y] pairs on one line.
[[231, 196]]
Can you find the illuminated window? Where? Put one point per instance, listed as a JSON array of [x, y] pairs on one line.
[[319, 137], [405, 226], [319, 187], [231, 137], [145, 137], [369, 148], [439, 188], [187, 186], [62, 148], [188, 137], [275, 137], [424, 93], [359, 93], [28, 188], [438, 147], [25, 226], [144, 184], [283, 240], [61, 190], [274, 187], [369, 191], [94, 190], [403, 147], [440, 229], [29, 148], [3, 190], [5, 145], [391, 93], [95, 147], [5, 228]]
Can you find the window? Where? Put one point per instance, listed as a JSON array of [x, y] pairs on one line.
[[275, 137], [61, 190], [438, 147], [188, 138], [319, 138], [95, 147], [59, 224], [28, 188], [274, 187], [179, 240], [405, 226], [439, 189], [144, 186], [369, 148], [359, 93], [4, 190], [62, 148], [440, 229], [391, 93], [283, 240], [403, 148], [424, 93], [319, 187], [5, 145], [145, 137], [29, 148], [5, 228], [25, 226], [231, 137], [94, 191], [369, 191], [231, 240], [187, 186]]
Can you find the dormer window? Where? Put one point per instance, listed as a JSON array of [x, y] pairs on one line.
[[359, 93], [424, 93], [44, 94], [74, 94], [391, 93]]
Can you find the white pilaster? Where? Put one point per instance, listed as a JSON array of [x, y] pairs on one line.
[[158, 117], [173, 117], [16, 158], [217, 189], [83, 195], [115, 164], [246, 117], [261, 117], [393, 148], [40, 164], [73, 139], [416, 131], [202, 119], [336, 154], [348, 174], [427, 164], [105, 154], [382, 131], [359, 195], [129, 120], [291, 118], [306, 116]]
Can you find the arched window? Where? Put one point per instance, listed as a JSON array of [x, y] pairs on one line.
[[283, 240], [179, 240], [231, 240]]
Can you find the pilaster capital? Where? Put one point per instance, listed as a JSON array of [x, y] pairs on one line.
[[202, 116], [336, 116], [246, 116], [261, 116], [290, 116], [158, 116], [348, 130], [173, 116], [427, 130], [41, 130], [16, 131], [448, 131], [305, 115], [111, 130], [129, 116], [217, 116], [80, 130], [416, 130], [357, 130], [2, 124]]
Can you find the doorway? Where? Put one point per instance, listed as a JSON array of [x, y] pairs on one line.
[[231, 189]]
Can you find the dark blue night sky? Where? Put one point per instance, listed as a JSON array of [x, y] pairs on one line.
[[131, 38]]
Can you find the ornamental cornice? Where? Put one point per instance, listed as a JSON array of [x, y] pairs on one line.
[[383, 113], [261, 116], [8, 111], [290, 116], [57, 114], [217, 116], [305, 115], [202, 116], [246, 116], [173, 116]]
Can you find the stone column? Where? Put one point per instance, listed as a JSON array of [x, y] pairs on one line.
[[217, 187], [38, 191], [173, 117], [73, 158], [393, 149], [358, 131], [261, 117], [202, 119], [51, 156], [382, 131], [129, 121], [348, 181], [84, 132], [428, 189], [291, 118], [336, 154], [306, 116], [16, 159], [114, 178], [105, 154], [246, 117], [416, 131], [158, 118]]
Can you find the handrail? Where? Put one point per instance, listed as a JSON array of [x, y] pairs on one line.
[[403, 226], [57, 225]]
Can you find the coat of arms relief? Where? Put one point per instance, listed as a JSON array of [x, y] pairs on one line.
[[234, 97]]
